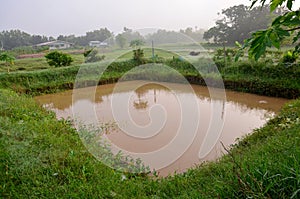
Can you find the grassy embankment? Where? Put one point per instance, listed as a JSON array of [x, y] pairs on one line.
[[44, 158], [253, 77]]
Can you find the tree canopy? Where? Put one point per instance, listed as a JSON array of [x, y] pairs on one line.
[[16, 38], [287, 24], [136, 43], [237, 23]]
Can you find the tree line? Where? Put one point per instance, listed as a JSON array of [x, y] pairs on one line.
[[16, 38], [234, 24]]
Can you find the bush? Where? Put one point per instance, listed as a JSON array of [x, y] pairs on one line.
[[58, 59], [138, 56]]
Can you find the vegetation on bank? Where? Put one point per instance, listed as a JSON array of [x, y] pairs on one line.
[[42, 157], [263, 77]]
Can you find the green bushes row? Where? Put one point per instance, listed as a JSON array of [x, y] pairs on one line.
[[255, 77], [264, 70]]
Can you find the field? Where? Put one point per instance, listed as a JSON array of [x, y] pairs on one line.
[[42, 157]]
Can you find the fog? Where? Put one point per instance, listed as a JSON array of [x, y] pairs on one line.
[[55, 17]]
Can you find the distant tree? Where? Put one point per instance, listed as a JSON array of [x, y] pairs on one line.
[[121, 40], [98, 35], [58, 59], [237, 23], [17, 38], [131, 35], [286, 25], [14, 38], [163, 36], [36, 39], [136, 43], [8, 59], [194, 34]]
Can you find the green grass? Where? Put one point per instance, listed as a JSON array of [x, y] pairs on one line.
[[44, 158], [33, 64]]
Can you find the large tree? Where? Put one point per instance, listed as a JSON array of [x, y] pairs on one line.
[[237, 22], [285, 25]]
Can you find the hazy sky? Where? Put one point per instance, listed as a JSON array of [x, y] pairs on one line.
[[54, 17]]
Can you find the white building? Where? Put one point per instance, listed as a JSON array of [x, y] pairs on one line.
[[56, 44]]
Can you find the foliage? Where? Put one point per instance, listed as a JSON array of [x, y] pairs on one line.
[[282, 27], [121, 40], [16, 38], [58, 59], [196, 34], [136, 43], [130, 35], [7, 58], [223, 57], [92, 56], [102, 34], [289, 57], [138, 56], [237, 23], [162, 36]]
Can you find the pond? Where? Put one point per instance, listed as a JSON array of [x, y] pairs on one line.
[[148, 117]]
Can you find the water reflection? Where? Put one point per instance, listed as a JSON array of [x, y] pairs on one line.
[[241, 112]]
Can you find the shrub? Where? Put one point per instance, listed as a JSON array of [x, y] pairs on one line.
[[138, 56], [58, 59]]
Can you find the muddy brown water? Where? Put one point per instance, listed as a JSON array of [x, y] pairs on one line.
[[240, 112]]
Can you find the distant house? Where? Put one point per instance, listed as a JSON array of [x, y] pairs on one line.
[[98, 44], [55, 44]]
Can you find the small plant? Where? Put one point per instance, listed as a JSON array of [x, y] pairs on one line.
[[138, 56], [92, 56], [58, 59], [8, 59]]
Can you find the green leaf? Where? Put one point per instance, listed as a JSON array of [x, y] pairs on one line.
[[275, 41], [289, 4], [238, 55], [277, 21], [238, 44], [275, 4]]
